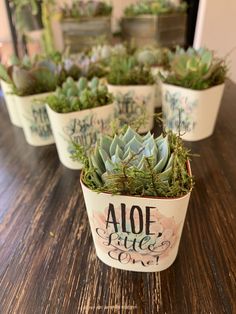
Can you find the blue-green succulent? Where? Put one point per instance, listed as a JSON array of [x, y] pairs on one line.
[[196, 69], [133, 149], [131, 164]]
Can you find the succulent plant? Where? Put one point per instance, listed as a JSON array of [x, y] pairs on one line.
[[196, 69], [153, 7], [6, 71], [96, 69], [125, 70], [98, 59], [86, 9], [152, 56], [81, 95], [131, 164], [39, 79], [101, 52]]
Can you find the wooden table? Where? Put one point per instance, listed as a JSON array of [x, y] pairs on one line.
[[47, 259]]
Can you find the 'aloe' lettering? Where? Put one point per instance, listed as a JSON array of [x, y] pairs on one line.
[[134, 218]]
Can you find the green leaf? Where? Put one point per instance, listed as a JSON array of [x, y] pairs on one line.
[[4, 75]]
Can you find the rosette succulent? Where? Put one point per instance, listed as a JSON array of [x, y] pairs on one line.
[[196, 69], [6, 71], [81, 95], [132, 164], [41, 78], [39, 74]]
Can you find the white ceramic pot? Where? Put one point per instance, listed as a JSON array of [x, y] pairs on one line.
[[192, 112], [132, 101], [10, 102], [135, 233], [34, 118], [82, 127]]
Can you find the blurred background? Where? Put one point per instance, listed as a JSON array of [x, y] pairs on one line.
[[209, 23]]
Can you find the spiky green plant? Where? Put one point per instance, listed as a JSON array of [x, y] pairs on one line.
[[130, 164], [73, 96], [196, 69], [125, 70], [153, 7]]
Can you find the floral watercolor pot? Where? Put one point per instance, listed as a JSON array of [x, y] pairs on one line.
[[192, 112], [82, 127], [135, 233], [132, 101], [10, 102], [34, 118]]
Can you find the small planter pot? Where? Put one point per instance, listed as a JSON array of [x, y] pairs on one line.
[[135, 233], [133, 101], [83, 33], [82, 127], [166, 30], [191, 112], [34, 118], [10, 102]]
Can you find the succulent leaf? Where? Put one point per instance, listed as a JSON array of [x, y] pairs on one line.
[[4, 75]]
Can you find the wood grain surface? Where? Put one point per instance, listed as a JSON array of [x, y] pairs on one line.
[[47, 259]]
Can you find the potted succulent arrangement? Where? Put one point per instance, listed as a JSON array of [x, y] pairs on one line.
[[133, 87], [33, 80], [32, 85], [95, 63], [158, 22], [136, 190], [78, 112], [192, 92], [84, 22], [158, 60], [7, 88]]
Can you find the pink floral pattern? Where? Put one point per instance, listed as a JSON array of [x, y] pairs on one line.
[[131, 247]]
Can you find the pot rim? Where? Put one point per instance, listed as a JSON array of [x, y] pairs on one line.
[[83, 19], [151, 16], [194, 90], [139, 86], [72, 112], [142, 197], [34, 95]]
